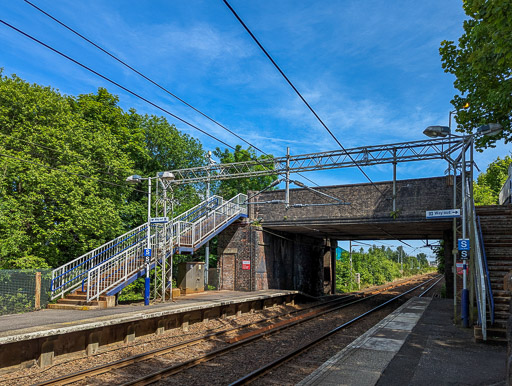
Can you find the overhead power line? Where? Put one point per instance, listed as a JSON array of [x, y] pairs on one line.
[[298, 93], [115, 83], [152, 81]]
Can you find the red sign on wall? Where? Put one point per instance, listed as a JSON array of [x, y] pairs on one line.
[[246, 264]]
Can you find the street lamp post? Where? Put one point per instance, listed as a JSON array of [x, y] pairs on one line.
[[207, 247], [135, 179], [490, 129]]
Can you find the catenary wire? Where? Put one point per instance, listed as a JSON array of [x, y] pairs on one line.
[[300, 95], [308, 105], [115, 83], [153, 82]]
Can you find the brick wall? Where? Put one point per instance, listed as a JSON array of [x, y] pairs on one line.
[[278, 260], [414, 197]]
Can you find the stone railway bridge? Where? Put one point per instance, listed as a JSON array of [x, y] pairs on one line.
[[294, 248]]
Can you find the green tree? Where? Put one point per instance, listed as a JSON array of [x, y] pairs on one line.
[[63, 165], [482, 63], [488, 185], [231, 188]]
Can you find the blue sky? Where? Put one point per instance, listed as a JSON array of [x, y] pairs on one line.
[[371, 69]]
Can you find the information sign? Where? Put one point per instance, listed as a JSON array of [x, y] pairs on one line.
[[444, 213], [156, 220], [463, 244], [147, 255], [460, 267]]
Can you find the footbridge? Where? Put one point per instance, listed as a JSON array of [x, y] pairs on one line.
[[289, 238], [370, 214], [109, 268]]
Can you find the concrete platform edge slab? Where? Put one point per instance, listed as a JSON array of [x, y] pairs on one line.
[[46, 331], [334, 367]]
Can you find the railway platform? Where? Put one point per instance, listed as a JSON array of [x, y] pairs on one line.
[[40, 336], [417, 344]]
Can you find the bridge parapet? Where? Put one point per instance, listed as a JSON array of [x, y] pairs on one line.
[[367, 205]]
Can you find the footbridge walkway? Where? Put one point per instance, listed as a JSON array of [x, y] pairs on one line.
[[109, 268]]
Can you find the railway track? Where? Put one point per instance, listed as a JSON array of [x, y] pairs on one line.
[[171, 360]]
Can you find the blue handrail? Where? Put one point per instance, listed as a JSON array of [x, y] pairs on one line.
[[488, 281]]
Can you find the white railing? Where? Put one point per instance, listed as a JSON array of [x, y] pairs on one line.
[[71, 275], [479, 264], [111, 273]]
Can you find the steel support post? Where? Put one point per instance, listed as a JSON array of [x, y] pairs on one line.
[[350, 257], [394, 182], [164, 246], [148, 245], [465, 292], [171, 243], [287, 186], [454, 250], [472, 243], [207, 247]]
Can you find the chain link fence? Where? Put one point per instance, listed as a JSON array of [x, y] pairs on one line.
[[23, 290]]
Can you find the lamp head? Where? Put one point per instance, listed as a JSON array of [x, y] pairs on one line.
[[490, 129], [166, 176], [437, 131], [135, 179]]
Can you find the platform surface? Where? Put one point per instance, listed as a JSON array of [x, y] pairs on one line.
[[33, 324], [415, 345]]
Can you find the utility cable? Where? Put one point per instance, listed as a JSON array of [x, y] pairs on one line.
[[119, 85], [300, 96], [151, 81], [116, 84], [308, 106]]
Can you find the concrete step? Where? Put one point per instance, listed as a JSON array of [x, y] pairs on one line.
[[58, 306], [501, 299], [501, 315], [497, 335], [501, 307], [501, 293]]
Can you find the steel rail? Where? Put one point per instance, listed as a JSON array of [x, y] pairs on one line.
[[429, 288], [272, 365], [101, 369], [172, 370], [322, 308]]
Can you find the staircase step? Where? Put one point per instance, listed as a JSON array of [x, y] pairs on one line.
[[501, 293], [501, 299], [501, 307], [499, 264], [498, 335], [58, 306]]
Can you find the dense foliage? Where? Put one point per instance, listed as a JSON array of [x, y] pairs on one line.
[[488, 185], [230, 188], [377, 266], [482, 65], [63, 165]]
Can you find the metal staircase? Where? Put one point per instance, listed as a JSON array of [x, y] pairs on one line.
[[111, 267]]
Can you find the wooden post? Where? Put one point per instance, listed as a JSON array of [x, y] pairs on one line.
[[38, 291]]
